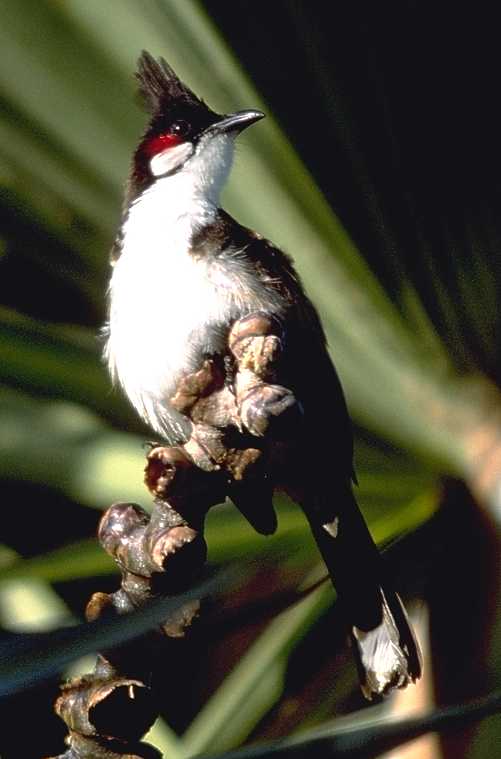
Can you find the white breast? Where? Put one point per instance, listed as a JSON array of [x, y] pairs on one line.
[[167, 308]]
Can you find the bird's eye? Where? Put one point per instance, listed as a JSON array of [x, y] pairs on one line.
[[180, 128]]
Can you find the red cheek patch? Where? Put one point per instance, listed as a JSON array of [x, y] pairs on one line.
[[162, 142]]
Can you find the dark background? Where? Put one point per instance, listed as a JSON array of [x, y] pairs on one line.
[[394, 109]]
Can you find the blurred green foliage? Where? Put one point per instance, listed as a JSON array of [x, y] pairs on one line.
[[414, 338]]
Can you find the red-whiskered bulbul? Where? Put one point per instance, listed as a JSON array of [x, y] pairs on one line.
[[184, 272]]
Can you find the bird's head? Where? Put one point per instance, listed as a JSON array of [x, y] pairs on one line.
[[184, 134]]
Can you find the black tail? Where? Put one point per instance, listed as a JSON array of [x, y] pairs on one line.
[[386, 650]]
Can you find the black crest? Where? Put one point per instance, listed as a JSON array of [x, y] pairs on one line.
[[159, 85]]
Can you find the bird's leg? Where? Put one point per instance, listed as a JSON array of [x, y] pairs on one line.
[[256, 343]]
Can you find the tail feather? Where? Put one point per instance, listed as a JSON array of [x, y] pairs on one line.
[[388, 656], [385, 647]]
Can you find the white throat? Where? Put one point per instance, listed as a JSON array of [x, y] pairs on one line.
[[204, 174], [182, 202]]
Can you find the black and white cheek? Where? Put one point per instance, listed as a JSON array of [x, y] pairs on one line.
[[171, 159]]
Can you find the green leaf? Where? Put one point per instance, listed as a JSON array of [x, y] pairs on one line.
[[66, 447], [165, 739], [225, 720], [57, 362], [54, 650], [256, 682], [371, 738]]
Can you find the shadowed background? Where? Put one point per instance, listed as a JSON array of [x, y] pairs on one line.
[[378, 169]]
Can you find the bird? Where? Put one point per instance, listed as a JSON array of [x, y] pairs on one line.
[[184, 271]]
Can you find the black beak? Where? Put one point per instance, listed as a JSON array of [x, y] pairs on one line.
[[235, 122]]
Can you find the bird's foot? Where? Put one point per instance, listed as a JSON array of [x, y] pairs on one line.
[[256, 343]]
